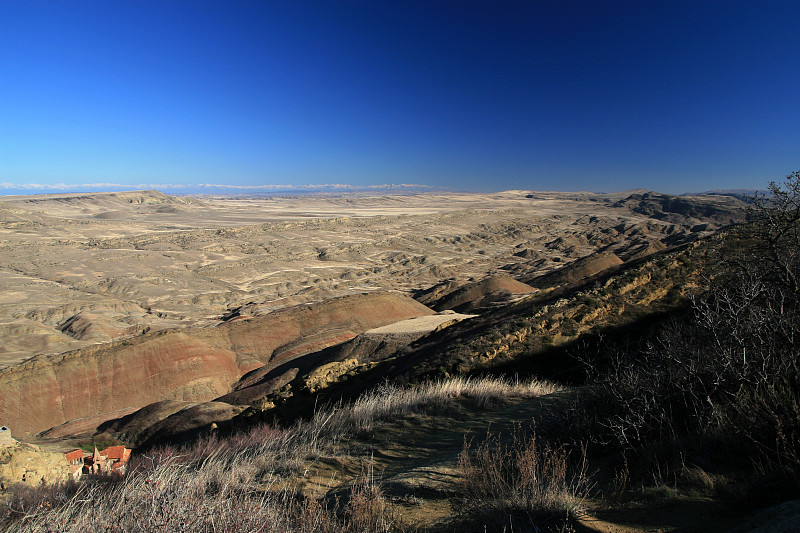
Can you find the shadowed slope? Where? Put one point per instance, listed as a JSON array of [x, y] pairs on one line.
[[492, 290]]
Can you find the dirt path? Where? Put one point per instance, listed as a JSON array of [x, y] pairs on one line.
[[414, 460]]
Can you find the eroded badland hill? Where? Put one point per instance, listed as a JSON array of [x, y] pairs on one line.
[[114, 301], [144, 318]]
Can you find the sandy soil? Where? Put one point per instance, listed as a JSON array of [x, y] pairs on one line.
[[420, 324]]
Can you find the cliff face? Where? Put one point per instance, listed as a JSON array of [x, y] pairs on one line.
[[193, 365], [25, 463]]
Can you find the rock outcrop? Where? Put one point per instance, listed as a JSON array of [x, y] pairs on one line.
[[25, 463]]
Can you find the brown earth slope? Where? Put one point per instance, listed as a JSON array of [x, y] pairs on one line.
[[493, 290], [531, 336], [187, 365], [577, 270], [191, 294], [176, 421]]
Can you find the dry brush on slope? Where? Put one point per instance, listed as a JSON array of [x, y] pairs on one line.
[[719, 387], [524, 485], [246, 482]]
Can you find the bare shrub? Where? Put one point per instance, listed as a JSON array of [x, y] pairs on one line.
[[524, 485], [723, 382], [25, 502], [367, 509]]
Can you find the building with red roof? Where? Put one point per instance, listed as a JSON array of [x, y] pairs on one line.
[[112, 460]]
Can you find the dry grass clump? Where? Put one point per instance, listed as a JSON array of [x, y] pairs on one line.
[[245, 482], [523, 485], [224, 494], [391, 401]]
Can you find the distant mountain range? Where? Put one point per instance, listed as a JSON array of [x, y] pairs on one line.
[[213, 188], [742, 194]]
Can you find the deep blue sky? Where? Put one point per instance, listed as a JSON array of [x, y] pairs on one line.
[[557, 95]]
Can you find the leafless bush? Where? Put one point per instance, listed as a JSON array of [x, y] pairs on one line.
[[366, 508], [524, 485], [26, 502], [723, 382]]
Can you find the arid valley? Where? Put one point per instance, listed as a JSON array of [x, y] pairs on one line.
[[145, 320], [399, 267], [91, 281]]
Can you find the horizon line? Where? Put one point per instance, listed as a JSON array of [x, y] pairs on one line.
[[170, 186], [200, 188]]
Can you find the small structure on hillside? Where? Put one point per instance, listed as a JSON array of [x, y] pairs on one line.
[[111, 461], [75, 460]]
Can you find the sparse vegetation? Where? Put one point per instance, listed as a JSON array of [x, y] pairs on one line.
[[226, 492], [524, 485], [390, 401], [708, 405], [249, 482], [720, 386]]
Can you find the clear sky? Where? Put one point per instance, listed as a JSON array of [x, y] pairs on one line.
[[597, 95]]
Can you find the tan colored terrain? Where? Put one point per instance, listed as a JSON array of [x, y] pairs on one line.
[[114, 301], [25, 463], [87, 268], [213, 314]]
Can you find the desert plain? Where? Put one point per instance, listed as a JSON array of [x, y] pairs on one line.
[[98, 287]]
